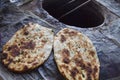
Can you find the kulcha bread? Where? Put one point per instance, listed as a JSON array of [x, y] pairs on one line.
[[75, 55], [28, 48]]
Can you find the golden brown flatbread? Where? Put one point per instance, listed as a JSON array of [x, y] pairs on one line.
[[28, 48], [75, 55]]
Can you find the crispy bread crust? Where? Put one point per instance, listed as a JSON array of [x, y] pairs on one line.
[[28, 48], [75, 56]]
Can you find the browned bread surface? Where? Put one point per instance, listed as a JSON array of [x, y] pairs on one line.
[[28, 48], [75, 55]]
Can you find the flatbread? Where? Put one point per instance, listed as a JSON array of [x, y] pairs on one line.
[[28, 48], [75, 56]]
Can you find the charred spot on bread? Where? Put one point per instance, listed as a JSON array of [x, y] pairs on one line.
[[28, 45], [92, 53], [72, 33], [95, 71], [25, 67], [4, 55], [44, 41], [74, 72], [65, 53], [66, 31], [63, 39], [80, 63], [15, 51], [66, 60], [26, 33]]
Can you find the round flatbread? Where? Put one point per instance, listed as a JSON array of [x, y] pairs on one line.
[[75, 56], [28, 48]]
